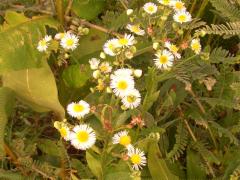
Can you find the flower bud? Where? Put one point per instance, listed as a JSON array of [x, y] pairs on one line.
[[129, 11], [108, 90], [155, 45], [102, 55], [137, 73], [128, 54], [96, 74]]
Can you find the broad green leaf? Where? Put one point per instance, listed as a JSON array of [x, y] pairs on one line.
[[89, 46], [120, 171], [88, 9], [49, 147], [6, 105], [82, 170], [37, 88], [157, 166], [194, 170], [76, 76], [94, 163], [19, 37]]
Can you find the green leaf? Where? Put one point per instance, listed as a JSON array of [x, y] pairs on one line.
[[94, 163], [37, 88], [6, 105], [119, 171], [88, 9], [157, 166], [82, 170], [76, 76], [49, 147], [18, 41], [194, 170]]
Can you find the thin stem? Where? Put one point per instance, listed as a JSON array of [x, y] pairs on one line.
[[203, 6], [123, 4], [59, 9], [69, 6]]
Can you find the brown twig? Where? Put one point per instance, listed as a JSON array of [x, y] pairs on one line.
[[68, 9]]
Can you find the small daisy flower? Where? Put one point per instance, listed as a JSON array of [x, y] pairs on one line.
[[83, 137], [111, 47], [44, 43], [78, 110], [150, 8], [164, 59], [182, 17], [94, 62], [178, 5], [122, 138], [137, 158], [196, 46], [136, 29], [173, 48], [165, 2], [69, 41], [105, 67], [126, 41], [132, 99], [121, 85], [59, 36]]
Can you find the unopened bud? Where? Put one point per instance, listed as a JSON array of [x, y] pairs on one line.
[[102, 55], [96, 74], [137, 73], [155, 45], [129, 11]]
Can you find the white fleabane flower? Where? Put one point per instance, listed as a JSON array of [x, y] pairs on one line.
[[83, 137], [78, 110], [165, 2], [135, 29], [150, 8], [196, 46], [126, 41], [164, 59], [121, 85], [105, 67], [182, 16], [137, 158], [122, 138], [44, 43], [173, 48], [111, 47], [94, 62], [132, 99], [69, 41], [178, 5]]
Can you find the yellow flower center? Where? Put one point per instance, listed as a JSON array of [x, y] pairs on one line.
[[166, 2], [131, 99], [78, 108], [103, 68], [111, 46], [179, 5], [136, 159], [63, 131], [123, 41], [43, 43], [150, 8], [195, 46], [82, 136], [163, 59], [125, 140], [69, 42], [174, 48], [122, 85], [182, 18], [135, 29]]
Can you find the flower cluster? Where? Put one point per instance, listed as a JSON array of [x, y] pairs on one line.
[[81, 136], [68, 41], [136, 156]]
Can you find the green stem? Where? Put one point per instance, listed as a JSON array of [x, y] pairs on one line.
[[60, 10], [203, 6]]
